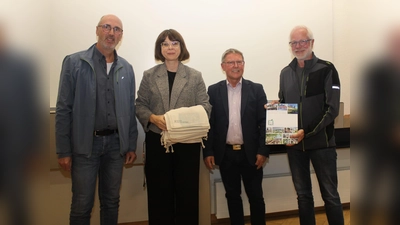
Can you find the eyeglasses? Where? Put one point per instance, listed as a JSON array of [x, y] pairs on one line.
[[107, 28], [174, 44], [232, 63], [301, 42]]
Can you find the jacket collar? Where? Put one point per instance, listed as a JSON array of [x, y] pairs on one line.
[[162, 84], [245, 93], [88, 56], [162, 70], [307, 63]]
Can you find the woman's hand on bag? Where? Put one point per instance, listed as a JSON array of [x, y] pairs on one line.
[[159, 121]]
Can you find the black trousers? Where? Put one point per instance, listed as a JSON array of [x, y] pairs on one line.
[[234, 168], [172, 182]]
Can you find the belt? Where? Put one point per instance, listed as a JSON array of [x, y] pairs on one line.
[[104, 132], [234, 147]]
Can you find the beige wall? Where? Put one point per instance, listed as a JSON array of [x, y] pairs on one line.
[[260, 29]]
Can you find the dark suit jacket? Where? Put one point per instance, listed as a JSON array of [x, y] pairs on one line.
[[252, 118]]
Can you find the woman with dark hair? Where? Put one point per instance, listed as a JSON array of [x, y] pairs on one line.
[[172, 178]]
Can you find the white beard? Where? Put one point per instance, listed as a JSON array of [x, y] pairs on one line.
[[303, 56]]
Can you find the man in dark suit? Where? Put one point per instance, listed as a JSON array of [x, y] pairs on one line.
[[236, 140]]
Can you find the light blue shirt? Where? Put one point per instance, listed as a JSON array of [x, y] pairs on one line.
[[234, 135]]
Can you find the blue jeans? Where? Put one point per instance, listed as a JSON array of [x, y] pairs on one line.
[[324, 163], [107, 163]]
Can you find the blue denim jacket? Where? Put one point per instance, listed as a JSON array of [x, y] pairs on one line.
[[76, 105]]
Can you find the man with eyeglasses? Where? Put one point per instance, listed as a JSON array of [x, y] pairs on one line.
[[236, 140], [314, 85], [96, 130]]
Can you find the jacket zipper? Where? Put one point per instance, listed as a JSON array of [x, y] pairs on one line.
[[116, 89], [95, 86], [116, 73], [301, 105]]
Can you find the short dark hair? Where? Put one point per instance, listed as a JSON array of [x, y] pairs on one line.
[[172, 35]]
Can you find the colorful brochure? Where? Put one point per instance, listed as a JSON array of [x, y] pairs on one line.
[[281, 123]]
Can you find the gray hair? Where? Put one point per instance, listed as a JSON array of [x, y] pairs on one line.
[[309, 32], [231, 51]]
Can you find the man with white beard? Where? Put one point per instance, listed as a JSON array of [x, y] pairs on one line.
[[314, 85]]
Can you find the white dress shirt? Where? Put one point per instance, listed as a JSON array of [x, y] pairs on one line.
[[234, 135]]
